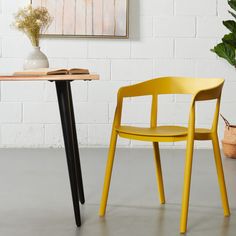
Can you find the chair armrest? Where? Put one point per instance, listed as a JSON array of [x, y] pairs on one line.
[[209, 94]]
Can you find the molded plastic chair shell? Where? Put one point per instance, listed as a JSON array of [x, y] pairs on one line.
[[201, 89]]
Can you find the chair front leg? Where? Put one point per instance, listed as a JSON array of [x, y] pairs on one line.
[[220, 174], [110, 160], [159, 172], [187, 182]]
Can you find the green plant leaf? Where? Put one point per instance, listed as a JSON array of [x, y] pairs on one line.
[[230, 39], [232, 4], [233, 14], [231, 25], [225, 51]]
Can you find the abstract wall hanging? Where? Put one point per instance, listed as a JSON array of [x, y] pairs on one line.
[[87, 18]]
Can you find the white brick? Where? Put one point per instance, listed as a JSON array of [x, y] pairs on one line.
[[68, 47], [131, 69], [139, 112], [205, 112], [112, 107], [166, 113], [98, 66], [22, 91], [194, 48], [6, 28], [174, 67], [10, 8], [228, 92], [41, 113], [132, 112], [144, 29], [165, 98], [10, 112], [10, 65], [0, 48], [109, 49], [2, 30], [215, 68], [50, 94], [228, 111], [144, 7], [58, 62], [99, 135], [22, 135], [193, 7], [54, 137], [129, 107], [15, 47], [222, 8], [181, 113], [176, 26], [183, 98], [79, 91], [100, 91], [210, 27], [152, 48], [154, 7], [221, 128], [88, 113]]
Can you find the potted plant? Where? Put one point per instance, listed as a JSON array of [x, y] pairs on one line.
[[32, 22], [226, 49]]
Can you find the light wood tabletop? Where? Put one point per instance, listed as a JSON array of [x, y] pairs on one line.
[[48, 77]]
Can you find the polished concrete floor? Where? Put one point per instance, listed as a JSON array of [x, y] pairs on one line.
[[35, 196]]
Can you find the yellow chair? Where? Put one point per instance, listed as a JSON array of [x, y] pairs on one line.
[[200, 89]]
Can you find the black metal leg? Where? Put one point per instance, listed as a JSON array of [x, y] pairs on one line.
[[71, 144], [76, 151]]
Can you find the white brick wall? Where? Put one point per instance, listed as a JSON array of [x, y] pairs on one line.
[[194, 48], [167, 37], [174, 26], [193, 7]]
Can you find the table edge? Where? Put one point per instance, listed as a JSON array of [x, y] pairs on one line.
[[49, 77]]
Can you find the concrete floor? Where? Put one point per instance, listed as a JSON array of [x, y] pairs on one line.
[[35, 195]]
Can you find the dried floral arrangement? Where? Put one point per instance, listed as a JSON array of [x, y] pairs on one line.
[[32, 22]]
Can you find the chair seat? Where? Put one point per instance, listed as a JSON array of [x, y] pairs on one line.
[[160, 131]]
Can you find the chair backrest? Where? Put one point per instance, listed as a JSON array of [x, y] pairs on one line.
[[201, 89], [177, 85]]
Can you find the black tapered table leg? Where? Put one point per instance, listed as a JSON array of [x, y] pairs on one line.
[[71, 144], [76, 150]]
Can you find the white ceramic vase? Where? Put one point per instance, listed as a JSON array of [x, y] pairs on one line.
[[36, 59]]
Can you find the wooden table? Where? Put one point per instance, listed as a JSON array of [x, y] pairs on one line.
[[65, 103]]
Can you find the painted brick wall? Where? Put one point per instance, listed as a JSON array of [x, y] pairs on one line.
[[167, 37]]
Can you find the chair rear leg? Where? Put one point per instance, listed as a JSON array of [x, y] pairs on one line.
[[107, 180], [187, 182], [159, 172], [220, 174]]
